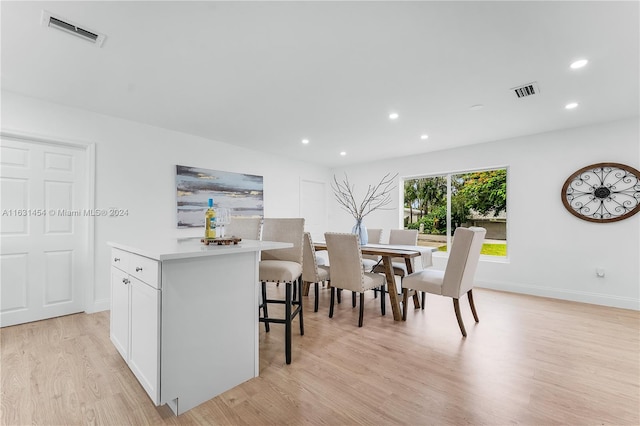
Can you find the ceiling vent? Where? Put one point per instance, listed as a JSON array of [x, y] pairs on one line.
[[52, 21], [526, 90]]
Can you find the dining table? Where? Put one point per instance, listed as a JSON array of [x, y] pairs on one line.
[[387, 253]]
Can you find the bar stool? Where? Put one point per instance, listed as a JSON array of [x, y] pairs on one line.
[[283, 266]]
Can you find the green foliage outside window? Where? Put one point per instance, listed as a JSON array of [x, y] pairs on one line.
[[484, 192]]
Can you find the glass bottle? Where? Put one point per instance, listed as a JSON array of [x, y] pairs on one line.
[[210, 221]]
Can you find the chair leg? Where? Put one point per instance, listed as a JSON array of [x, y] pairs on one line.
[[456, 307], [333, 296], [315, 302], [265, 314], [473, 306], [383, 305], [424, 299], [405, 300], [375, 293], [339, 291], [301, 313], [353, 299], [305, 288], [287, 322], [361, 309]]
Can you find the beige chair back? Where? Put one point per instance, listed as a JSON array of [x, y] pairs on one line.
[[404, 237], [463, 261], [285, 230], [374, 235], [309, 262], [247, 228], [345, 260]]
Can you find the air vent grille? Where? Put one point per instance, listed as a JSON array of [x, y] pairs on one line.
[[54, 22], [525, 90], [51, 21]]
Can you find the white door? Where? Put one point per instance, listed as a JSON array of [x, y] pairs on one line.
[[44, 230], [313, 207]]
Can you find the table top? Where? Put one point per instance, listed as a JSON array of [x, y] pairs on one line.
[[182, 248], [386, 249]]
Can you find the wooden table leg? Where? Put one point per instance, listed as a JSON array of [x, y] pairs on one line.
[[305, 288], [416, 299], [393, 291]]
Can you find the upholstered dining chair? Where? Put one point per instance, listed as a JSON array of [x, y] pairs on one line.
[[283, 266], [346, 270], [404, 237], [311, 271], [369, 261], [456, 279], [247, 228]]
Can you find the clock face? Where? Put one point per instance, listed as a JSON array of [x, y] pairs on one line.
[[603, 192]]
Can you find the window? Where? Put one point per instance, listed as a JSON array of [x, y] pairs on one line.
[[436, 205]]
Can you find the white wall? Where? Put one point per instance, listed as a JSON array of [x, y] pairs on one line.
[[135, 170], [551, 252]]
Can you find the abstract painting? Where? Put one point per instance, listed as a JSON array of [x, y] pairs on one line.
[[242, 194]]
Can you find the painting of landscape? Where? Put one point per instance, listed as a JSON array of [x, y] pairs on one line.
[[242, 194]]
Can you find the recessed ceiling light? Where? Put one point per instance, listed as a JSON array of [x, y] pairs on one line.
[[343, 153], [579, 64], [393, 116], [572, 105], [423, 137], [476, 107], [305, 141]]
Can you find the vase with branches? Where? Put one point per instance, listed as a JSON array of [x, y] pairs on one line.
[[377, 197]]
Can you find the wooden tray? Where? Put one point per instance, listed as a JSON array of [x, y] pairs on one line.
[[221, 240]]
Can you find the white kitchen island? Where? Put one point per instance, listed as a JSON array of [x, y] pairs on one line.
[[184, 316]]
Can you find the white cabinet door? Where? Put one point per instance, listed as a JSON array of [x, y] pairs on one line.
[[144, 354], [119, 330]]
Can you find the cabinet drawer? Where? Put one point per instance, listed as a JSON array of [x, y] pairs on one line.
[[120, 259], [145, 269]]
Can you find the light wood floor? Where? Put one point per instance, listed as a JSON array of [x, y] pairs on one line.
[[529, 361]]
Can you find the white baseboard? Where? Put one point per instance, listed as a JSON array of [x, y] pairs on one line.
[[98, 306], [572, 295]]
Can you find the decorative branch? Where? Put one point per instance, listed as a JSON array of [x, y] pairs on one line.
[[377, 197]]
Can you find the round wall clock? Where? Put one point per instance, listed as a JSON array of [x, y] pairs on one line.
[[603, 192]]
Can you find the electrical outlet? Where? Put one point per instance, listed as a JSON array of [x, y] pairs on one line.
[[600, 272]]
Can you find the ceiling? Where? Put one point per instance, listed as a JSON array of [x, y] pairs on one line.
[[265, 75]]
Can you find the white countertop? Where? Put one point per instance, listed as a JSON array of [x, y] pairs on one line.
[[182, 248]]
